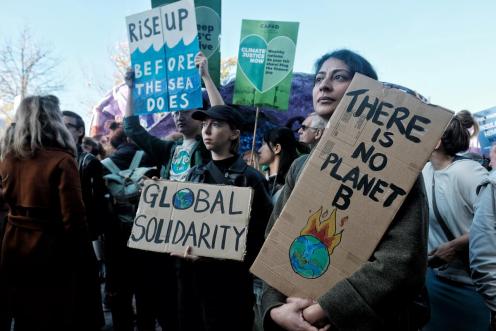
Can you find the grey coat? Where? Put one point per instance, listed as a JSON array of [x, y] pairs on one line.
[[483, 242]]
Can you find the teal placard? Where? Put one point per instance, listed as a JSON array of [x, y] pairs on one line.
[[265, 63], [163, 43], [208, 20]]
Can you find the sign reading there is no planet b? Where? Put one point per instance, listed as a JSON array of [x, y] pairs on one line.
[[163, 43], [353, 184], [265, 63]]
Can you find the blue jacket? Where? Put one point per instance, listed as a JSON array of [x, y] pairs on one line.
[[483, 242]]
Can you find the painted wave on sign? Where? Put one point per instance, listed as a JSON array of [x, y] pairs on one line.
[[173, 29]]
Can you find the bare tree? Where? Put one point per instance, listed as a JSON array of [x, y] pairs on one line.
[[27, 68], [99, 83], [228, 69], [121, 60]]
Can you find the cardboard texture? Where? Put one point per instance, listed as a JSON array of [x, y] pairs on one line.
[[354, 182], [212, 219], [163, 43]]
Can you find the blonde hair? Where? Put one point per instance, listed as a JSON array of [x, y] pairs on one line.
[[38, 124]]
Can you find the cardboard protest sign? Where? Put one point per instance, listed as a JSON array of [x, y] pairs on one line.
[[212, 219], [208, 19], [353, 183], [265, 63], [163, 43]]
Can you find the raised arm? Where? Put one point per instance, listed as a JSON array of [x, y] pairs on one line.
[[129, 79], [213, 93], [158, 150]]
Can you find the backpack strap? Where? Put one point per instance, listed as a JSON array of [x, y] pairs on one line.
[[439, 218], [482, 185], [491, 185], [136, 160], [111, 166], [82, 164], [83, 160], [216, 174]]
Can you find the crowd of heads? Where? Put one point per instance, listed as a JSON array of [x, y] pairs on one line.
[[37, 119], [39, 123]]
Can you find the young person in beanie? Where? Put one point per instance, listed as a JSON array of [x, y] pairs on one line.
[[224, 288]]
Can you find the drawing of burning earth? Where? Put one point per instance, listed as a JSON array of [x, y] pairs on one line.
[[310, 253]]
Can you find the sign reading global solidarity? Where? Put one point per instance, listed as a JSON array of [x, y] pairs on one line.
[[163, 43], [354, 182], [211, 219], [265, 63], [208, 13]]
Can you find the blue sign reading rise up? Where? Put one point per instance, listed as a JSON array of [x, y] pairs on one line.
[[163, 43]]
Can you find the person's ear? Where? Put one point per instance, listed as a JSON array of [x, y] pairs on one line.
[[80, 132], [318, 134], [235, 134], [277, 149]]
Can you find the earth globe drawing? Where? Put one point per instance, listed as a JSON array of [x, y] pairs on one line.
[[183, 199], [309, 257]]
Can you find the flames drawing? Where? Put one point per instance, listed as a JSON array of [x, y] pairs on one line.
[[310, 253]]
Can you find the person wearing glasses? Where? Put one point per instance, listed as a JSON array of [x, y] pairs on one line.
[[311, 130]]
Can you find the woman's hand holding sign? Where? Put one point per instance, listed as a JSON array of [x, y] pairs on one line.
[[201, 63], [316, 316], [186, 255], [291, 316]]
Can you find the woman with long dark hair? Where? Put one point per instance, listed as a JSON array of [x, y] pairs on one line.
[[279, 150]]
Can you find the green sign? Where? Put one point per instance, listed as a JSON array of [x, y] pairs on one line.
[[265, 63], [208, 20]]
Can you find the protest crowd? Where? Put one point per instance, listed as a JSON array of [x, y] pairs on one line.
[[66, 223]]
